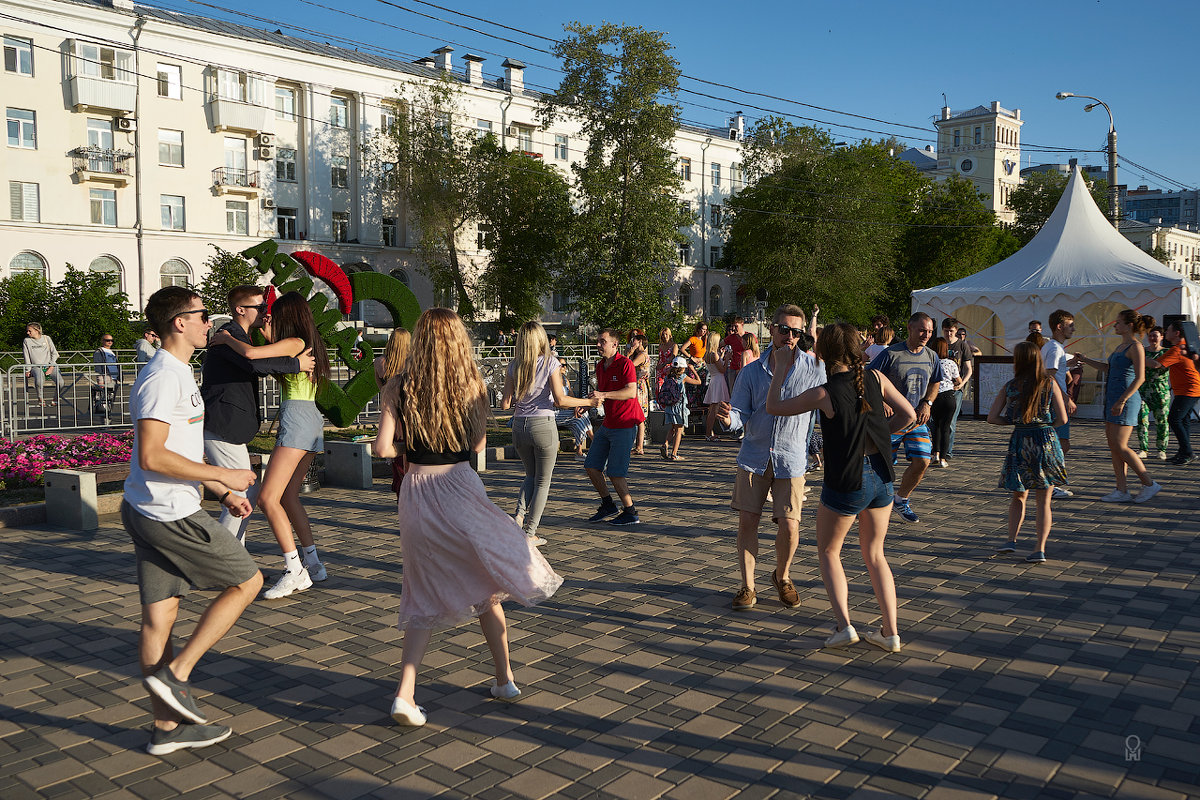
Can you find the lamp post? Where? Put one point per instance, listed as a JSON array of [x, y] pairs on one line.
[[1113, 194]]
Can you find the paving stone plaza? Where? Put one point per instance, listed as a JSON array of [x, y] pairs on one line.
[[1071, 678]]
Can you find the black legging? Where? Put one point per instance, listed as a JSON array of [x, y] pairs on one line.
[[940, 417]]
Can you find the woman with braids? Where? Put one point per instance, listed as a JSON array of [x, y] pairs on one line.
[[858, 471], [1033, 403], [463, 556], [1156, 395], [1126, 369], [292, 330], [534, 383], [387, 367]]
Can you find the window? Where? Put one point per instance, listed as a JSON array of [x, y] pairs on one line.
[[560, 147], [737, 175], [714, 301], [957, 139], [27, 264], [170, 81], [686, 208], [285, 221], [716, 174], [685, 168], [237, 217], [389, 232], [400, 275], [171, 206], [241, 87], [341, 172], [18, 55], [391, 176], [175, 272], [285, 165], [285, 103], [339, 112], [978, 134], [104, 206], [341, 226], [714, 216], [22, 128], [109, 266], [23, 201], [105, 63], [525, 139], [685, 252], [714, 255], [170, 148], [483, 127], [560, 302], [388, 117], [100, 145], [685, 296]]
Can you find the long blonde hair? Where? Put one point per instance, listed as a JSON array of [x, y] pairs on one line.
[[395, 353], [712, 349], [445, 395], [532, 344]]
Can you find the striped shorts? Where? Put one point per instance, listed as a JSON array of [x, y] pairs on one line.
[[917, 443]]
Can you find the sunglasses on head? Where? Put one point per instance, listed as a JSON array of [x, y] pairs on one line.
[[203, 312], [787, 330]]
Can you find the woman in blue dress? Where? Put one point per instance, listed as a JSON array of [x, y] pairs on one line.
[[1126, 369]]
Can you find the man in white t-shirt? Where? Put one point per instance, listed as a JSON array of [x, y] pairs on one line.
[[176, 543], [1054, 358]]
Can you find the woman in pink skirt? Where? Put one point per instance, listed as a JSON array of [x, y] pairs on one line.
[[463, 556]]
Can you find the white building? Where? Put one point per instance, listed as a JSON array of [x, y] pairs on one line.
[[1180, 243], [138, 136], [983, 145]]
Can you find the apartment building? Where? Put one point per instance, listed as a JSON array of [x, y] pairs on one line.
[[137, 137]]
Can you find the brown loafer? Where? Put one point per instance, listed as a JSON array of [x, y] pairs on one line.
[[745, 599], [787, 591]]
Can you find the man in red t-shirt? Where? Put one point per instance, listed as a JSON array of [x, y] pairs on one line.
[[616, 385], [735, 342]]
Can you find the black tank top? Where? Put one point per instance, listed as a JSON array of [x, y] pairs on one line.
[[847, 433], [418, 452]]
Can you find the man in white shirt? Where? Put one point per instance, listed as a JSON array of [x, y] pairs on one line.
[[1054, 358], [176, 543]]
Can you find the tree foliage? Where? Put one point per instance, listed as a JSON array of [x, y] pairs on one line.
[[74, 312], [615, 81], [225, 271], [1034, 200]]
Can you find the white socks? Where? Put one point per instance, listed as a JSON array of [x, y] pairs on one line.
[[292, 561]]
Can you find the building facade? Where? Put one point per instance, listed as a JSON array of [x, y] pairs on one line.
[[983, 145], [1181, 244], [138, 137], [1169, 208]]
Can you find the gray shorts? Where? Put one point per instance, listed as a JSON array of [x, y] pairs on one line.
[[193, 551], [301, 426]]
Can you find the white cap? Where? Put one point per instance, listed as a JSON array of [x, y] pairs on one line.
[[679, 361]]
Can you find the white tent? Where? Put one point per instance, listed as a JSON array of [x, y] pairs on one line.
[[1077, 262]]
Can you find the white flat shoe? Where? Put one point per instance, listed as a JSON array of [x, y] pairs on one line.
[[406, 713], [508, 691]]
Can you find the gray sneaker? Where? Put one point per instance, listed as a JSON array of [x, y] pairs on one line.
[[1007, 547], [175, 693], [184, 736], [627, 516]]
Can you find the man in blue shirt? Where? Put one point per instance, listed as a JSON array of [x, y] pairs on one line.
[[915, 370], [773, 457]]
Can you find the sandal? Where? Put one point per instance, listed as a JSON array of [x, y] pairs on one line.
[[664, 452]]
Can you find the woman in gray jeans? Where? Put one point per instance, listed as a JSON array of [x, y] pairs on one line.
[[533, 380]]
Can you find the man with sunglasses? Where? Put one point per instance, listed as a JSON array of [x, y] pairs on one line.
[[231, 395], [915, 370], [773, 457]]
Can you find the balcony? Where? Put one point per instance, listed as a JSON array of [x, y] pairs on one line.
[[88, 92], [236, 181], [100, 165], [235, 115]]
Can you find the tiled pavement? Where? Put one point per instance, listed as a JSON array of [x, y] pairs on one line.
[[1014, 681]]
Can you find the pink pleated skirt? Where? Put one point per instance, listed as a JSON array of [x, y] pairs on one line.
[[462, 554]]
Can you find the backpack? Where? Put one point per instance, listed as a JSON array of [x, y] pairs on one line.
[[670, 393]]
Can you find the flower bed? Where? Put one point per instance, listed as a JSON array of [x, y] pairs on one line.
[[24, 461]]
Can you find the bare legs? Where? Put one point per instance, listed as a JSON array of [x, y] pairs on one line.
[[1016, 515], [416, 641], [676, 438], [786, 539], [912, 476], [1122, 455], [620, 486], [279, 497], [872, 528]]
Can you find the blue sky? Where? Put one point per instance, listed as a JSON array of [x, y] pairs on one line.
[[891, 61]]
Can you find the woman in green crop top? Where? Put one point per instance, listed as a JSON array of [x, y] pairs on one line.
[[292, 330]]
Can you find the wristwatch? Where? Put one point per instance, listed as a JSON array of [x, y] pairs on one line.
[[926, 402]]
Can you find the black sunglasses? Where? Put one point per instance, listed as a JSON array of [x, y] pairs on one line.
[[260, 308], [788, 331], [203, 312]]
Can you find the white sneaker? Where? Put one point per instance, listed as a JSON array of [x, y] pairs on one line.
[[1117, 496], [1162, 455], [888, 643], [287, 584], [536, 541], [1148, 492], [407, 714], [316, 571], [1060, 493], [1141, 454], [508, 691], [843, 638]]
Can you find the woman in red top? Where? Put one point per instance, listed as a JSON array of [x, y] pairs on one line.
[[1185, 386]]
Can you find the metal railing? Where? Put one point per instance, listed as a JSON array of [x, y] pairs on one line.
[[99, 159], [227, 176]]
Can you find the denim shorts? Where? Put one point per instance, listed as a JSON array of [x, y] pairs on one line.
[[301, 426], [610, 448], [876, 492]]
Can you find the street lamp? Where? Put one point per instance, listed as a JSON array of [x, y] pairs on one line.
[[1113, 194]]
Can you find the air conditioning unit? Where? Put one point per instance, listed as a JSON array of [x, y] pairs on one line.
[[263, 153], [268, 202], [513, 130], [264, 139], [126, 124]]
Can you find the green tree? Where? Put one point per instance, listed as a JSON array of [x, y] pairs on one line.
[[440, 166], [1160, 254], [82, 306], [225, 271], [1034, 200], [24, 298], [526, 216], [616, 79]]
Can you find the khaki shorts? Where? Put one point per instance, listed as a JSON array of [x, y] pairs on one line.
[[750, 494]]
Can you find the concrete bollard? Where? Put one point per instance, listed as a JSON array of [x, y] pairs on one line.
[[479, 460], [348, 464], [71, 500]]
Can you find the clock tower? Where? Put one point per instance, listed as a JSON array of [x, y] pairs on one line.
[[983, 145]]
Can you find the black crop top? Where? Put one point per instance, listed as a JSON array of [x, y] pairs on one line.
[[417, 452], [846, 435]]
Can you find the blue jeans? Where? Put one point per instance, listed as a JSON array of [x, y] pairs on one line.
[[958, 398], [1177, 419]]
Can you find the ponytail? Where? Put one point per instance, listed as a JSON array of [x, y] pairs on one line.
[[860, 384]]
